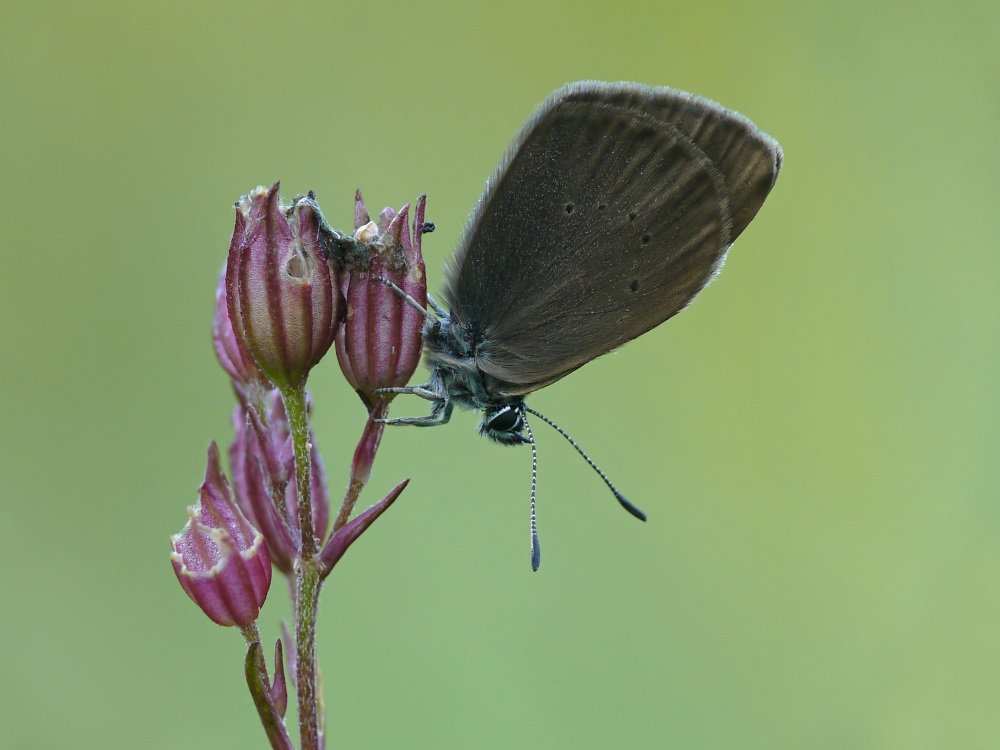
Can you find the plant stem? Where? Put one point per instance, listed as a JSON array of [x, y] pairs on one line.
[[354, 487], [260, 690], [307, 580], [251, 633], [307, 577], [361, 465], [298, 420]]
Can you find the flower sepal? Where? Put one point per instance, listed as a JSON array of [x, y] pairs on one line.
[[346, 535]]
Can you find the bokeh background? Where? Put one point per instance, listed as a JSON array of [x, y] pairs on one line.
[[815, 440]]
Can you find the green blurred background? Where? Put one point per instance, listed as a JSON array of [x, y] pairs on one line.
[[815, 440]]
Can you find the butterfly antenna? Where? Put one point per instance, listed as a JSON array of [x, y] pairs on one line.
[[618, 496], [409, 300], [536, 551]]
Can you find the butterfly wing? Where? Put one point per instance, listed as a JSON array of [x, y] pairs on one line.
[[613, 208]]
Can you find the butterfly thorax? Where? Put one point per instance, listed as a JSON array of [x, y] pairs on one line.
[[451, 358]]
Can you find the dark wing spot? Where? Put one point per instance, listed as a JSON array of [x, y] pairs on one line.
[[634, 286], [631, 216], [645, 239]]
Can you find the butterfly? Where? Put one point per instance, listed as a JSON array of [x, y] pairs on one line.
[[613, 208]]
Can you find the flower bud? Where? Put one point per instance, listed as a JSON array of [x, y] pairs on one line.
[[282, 294], [220, 559], [264, 479], [237, 365], [379, 344]]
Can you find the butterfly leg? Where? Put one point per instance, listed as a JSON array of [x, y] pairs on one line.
[[440, 414], [424, 391], [436, 307]]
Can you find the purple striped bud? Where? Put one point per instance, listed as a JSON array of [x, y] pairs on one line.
[[220, 559], [237, 365], [379, 344], [263, 466], [282, 294]]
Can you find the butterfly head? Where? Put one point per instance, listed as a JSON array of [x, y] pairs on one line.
[[503, 422]]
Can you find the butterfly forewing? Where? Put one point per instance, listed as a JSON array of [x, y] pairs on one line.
[[609, 214], [748, 159]]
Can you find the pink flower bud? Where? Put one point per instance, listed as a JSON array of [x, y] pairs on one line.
[[264, 479], [237, 365], [379, 345], [220, 559], [282, 294]]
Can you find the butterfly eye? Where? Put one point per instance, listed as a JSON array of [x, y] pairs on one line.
[[505, 420]]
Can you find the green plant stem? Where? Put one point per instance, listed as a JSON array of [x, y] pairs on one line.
[[308, 583], [307, 577], [361, 465], [298, 420], [251, 633], [256, 674], [354, 487]]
